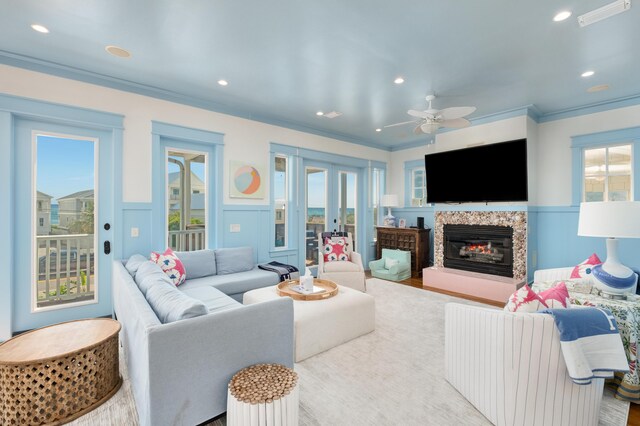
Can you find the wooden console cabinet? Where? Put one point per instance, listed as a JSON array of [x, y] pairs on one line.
[[409, 239]]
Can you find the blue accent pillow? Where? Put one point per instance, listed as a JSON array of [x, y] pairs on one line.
[[134, 262], [170, 304], [233, 260], [149, 274], [198, 263]]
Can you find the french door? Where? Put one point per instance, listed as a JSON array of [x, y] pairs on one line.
[[331, 202], [63, 223]]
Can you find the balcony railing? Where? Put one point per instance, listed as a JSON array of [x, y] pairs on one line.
[[65, 268], [187, 240]]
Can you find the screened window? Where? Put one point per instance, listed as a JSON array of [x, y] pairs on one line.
[[418, 187], [608, 173], [280, 199]]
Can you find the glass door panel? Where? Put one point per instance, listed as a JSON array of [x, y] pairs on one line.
[[347, 203], [186, 200], [316, 211], [65, 206]]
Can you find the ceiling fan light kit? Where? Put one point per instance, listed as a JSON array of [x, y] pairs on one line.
[[431, 119]]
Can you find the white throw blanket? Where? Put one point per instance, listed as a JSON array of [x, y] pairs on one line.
[[590, 343]]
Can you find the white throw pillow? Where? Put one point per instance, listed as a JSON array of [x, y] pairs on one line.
[[388, 263]]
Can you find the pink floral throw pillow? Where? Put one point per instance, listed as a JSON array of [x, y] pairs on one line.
[[524, 300], [556, 297], [171, 265], [335, 249], [583, 270]]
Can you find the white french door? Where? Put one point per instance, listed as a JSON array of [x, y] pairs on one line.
[[63, 223], [331, 202]]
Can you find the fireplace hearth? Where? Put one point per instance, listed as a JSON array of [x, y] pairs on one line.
[[486, 249]]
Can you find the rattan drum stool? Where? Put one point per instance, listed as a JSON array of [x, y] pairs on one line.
[[263, 394], [55, 374]]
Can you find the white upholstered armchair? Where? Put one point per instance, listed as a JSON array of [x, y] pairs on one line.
[[510, 367], [348, 273]]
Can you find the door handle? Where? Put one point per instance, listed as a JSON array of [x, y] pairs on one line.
[[107, 247]]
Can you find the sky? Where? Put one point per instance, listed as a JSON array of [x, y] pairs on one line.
[[64, 166]]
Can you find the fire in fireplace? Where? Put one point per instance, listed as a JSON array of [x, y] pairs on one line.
[[479, 248]]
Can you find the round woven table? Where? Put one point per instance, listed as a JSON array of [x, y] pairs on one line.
[[55, 374], [261, 395]]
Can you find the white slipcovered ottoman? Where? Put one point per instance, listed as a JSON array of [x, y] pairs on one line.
[[320, 325]]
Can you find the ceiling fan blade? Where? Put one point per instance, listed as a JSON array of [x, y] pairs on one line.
[[455, 112], [418, 114], [456, 123], [418, 130], [401, 124]]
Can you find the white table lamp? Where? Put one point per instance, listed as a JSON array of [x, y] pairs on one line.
[[388, 201], [611, 220]]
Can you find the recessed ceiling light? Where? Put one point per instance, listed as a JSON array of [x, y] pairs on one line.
[[588, 73], [378, 130], [598, 88], [319, 113], [40, 28], [223, 82], [561, 16], [118, 51], [399, 80]]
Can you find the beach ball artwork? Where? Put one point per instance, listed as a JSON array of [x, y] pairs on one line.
[[247, 180]]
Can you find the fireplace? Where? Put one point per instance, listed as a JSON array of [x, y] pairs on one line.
[[479, 248]]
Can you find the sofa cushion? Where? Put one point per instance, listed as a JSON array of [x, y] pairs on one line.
[[213, 299], [134, 262], [170, 264], [389, 263], [235, 283], [170, 304], [198, 263], [555, 297], [583, 270], [341, 267], [524, 300], [233, 260], [335, 249], [148, 274]]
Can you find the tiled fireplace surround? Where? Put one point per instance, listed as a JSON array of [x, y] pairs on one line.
[[481, 285]]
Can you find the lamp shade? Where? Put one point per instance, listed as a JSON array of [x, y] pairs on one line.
[[610, 219], [390, 200]]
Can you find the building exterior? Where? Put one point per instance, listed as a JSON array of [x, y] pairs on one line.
[[71, 207], [43, 213]]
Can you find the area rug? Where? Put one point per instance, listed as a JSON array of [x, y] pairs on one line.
[[393, 376]]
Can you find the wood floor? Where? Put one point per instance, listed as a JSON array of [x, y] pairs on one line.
[[634, 409]]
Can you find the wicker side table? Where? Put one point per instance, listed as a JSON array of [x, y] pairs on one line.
[[55, 374], [261, 395]]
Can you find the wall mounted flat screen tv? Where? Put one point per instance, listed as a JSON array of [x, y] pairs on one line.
[[487, 173]]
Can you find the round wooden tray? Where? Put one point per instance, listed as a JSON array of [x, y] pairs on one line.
[[331, 289]]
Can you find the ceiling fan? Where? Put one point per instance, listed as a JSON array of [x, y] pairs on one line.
[[430, 120]]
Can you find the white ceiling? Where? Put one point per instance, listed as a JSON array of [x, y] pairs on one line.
[[285, 60]]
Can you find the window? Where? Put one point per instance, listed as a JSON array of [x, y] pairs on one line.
[[415, 183], [607, 174], [418, 187], [280, 199], [41, 222], [377, 189]]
